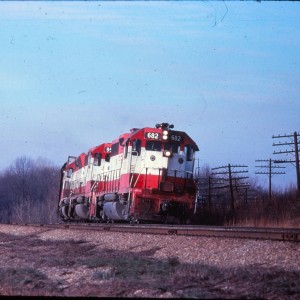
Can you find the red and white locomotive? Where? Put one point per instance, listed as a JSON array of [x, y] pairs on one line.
[[144, 175]]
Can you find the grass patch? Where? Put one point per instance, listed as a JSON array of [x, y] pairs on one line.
[[22, 276], [131, 266]]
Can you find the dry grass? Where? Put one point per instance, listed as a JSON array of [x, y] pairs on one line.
[[282, 211], [263, 222]]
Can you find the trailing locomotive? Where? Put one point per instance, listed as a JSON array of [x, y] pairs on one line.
[[144, 175]]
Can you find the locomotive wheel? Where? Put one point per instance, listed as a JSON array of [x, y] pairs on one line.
[[82, 211]]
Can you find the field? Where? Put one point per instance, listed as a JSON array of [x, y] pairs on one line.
[[41, 262]]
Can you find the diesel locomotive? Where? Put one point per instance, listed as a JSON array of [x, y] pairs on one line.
[[145, 175]]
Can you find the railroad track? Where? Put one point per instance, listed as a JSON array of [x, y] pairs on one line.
[[278, 234]]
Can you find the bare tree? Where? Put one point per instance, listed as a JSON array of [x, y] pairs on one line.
[[29, 191]]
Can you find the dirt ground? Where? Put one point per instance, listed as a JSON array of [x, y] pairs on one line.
[[32, 266]]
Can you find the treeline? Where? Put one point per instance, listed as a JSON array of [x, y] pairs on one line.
[[29, 191]]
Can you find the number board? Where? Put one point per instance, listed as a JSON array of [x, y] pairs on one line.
[[153, 135], [175, 137]]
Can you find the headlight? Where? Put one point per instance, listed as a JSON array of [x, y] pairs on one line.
[[168, 153], [165, 134]]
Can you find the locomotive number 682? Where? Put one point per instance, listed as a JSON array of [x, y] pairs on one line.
[[145, 175]]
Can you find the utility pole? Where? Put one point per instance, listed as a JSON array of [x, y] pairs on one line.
[[206, 185], [270, 166], [294, 143], [231, 180]]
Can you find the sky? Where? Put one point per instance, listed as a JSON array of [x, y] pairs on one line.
[[74, 75]]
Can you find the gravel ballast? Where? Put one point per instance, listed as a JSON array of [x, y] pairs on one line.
[[64, 262]]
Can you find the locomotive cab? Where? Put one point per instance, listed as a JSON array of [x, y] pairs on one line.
[[160, 165]]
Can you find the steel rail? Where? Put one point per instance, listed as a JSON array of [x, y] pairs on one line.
[[276, 234]]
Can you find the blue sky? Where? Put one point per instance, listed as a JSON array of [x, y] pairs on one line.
[[76, 74]]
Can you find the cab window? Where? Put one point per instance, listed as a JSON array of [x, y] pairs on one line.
[[69, 172], [189, 152], [86, 160], [126, 149], [97, 159], [153, 145], [114, 149], [172, 147], [78, 163], [89, 158], [136, 147]]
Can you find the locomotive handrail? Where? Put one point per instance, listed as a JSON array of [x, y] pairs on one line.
[[95, 184], [90, 168], [130, 165], [71, 192], [129, 191]]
